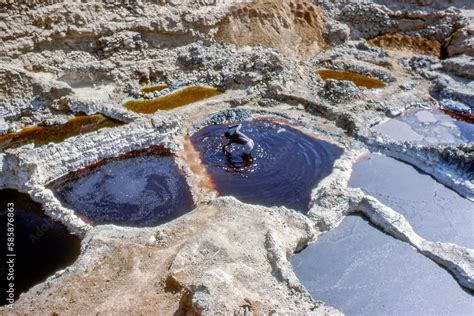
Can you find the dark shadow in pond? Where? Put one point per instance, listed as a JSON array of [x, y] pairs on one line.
[[139, 189], [41, 245], [435, 212], [285, 166], [362, 271]]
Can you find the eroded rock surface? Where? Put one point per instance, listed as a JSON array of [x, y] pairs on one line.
[[60, 59]]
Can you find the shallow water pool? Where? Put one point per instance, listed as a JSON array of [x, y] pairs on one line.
[[427, 127], [358, 79], [146, 190], [435, 212], [40, 248], [361, 271], [286, 164]]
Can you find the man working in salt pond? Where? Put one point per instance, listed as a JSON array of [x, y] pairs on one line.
[[235, 136]]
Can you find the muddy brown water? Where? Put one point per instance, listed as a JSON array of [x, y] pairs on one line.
[[42, 135], [141, 190], [286, 164], [41, 245], [173, 100], [434, 211], [358, 79], [360, 270]]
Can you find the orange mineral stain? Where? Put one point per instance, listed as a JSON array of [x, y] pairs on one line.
[[191, 155]]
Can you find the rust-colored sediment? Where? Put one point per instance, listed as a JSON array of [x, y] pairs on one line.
[[295, 27], [42, 135], [358, 79], [157, 87], [466, 117], [173, 100], [416, 44], [193, 159], [85, 219]]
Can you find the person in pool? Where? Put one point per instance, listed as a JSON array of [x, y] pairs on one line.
[[235, 136]]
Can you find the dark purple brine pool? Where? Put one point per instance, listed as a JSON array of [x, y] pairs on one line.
[[285, 166], [40, 246], [142, 191]]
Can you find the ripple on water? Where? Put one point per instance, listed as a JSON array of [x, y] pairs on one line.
[[140, 191], [361, 271], [41, 246], [286, 164]]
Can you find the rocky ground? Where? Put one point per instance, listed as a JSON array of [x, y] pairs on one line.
[[60, 58]]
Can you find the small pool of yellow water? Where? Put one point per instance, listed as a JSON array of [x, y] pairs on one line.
[[173, 100], [41, 135], [358, 79]]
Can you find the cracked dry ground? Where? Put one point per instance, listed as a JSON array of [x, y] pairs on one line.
[[358, 197]]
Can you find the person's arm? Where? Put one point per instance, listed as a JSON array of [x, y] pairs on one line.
[[237, 130], [225, 143]]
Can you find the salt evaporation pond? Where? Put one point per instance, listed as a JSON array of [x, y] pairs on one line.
[[435, 212], [286, 164], [358, 79], [42, 135], [172, 100], [427, 127], [361, 271], [142, 191], [41, 246]]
